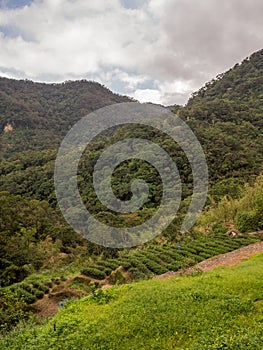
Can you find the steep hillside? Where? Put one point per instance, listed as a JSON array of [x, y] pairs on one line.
[[227, 116], [36, 115], [221, 309], [236, 95]]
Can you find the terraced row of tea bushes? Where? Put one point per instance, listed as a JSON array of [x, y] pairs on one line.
[[207, 312], [14, 299], [156, 260], [32, 290], [29, 292]]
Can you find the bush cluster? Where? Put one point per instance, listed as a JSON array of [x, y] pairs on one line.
[[156, 260]]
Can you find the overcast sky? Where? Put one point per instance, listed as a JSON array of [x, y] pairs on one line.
[[154, 50]]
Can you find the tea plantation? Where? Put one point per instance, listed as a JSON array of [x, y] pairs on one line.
[[220, 309]]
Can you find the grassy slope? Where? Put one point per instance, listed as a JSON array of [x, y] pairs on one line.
[[221, 309]]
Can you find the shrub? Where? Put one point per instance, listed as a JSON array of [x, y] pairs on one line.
[[126, 263], [209, 251], [163, 256], [39, 293], [174, 253], [26, 296], [134, 261], [249, 221], [101, 297], [48, 284], [156, 268], [154, 257], [27, 287], [221, 248], [205, 255], [143, 268], [189, 262], [228, 244], [136, 274], [57, 281], [94, 273], [189, 255], [190, 249], [79, 280], [12, 274], [112, 264], [175, 266], [107, 271], [12, 309], [41, 286]]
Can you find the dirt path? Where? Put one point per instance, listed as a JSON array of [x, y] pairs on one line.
[[49, 304], [228, 259]]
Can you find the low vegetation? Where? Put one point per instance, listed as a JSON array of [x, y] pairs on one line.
[[37, 247], [245, 211], [156, 259], [221, 309]]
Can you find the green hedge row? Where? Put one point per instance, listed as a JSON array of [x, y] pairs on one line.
[[94, 272], [160, 259], [30, 291]]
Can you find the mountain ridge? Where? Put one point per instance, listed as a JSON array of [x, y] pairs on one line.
[[51, 109]]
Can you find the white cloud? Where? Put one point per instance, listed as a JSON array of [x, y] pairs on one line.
[[147, 95], [175, 46]]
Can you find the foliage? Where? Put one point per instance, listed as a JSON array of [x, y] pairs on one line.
[[32, 234], [246, 211], [94, 272], [221, 309], [41, 114], [13, 309], [156, 260]]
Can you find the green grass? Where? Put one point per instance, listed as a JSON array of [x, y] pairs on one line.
[[221, 309]]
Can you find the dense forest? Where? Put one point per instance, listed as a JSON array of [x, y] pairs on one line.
[[225, 115], [38, 115]]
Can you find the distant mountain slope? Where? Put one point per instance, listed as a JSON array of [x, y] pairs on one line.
[[243, 82], [227, 117], [37, 115], [236, 95]]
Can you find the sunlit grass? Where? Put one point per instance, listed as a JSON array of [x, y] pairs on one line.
[[221, 309]]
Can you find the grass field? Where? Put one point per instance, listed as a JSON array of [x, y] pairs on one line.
[[221, 309]]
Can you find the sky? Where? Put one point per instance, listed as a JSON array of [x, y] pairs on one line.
[[156, 51]]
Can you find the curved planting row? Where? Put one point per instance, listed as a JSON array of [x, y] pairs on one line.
[[31, 291], [156, 260]]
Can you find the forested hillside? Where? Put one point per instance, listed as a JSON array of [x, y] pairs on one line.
[[225, 115], [35, 116]]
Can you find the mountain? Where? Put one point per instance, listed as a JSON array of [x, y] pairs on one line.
[[225, 114], [234, 95], [38, 248], [35, 116], [227, 117]]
